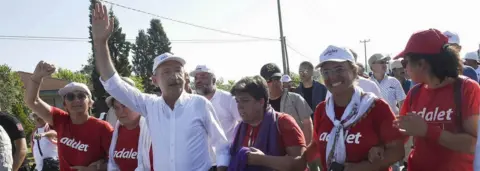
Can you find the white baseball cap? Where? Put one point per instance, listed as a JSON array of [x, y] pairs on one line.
[[396, 64], [164, 58], [74, 86], [471, 55], [286, 79], [452, 37], [109, 99], [336, 54], [201, 68]]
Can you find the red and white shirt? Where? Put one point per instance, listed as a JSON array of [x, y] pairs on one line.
[[126, 149], [437, 107], [80, 144], [376, 127]]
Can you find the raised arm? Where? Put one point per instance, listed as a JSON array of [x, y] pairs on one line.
[[102, 28], [32, 98]]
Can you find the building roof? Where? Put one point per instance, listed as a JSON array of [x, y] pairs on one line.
[[48, 83]]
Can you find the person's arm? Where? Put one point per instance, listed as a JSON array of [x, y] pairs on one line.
[[215, 133], [102, 27], [32, 98], [460, 142], [305, 112], [293, 139], [51, 134], [20, 153]]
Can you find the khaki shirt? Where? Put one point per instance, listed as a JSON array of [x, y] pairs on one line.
[[296, 106]]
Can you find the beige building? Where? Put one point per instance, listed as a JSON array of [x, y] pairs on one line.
[[49, 88]]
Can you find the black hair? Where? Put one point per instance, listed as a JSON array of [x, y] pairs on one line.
[[255, 86], [447, 63], [307, 64]]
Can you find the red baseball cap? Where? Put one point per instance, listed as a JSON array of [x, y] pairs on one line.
[[429, 41]]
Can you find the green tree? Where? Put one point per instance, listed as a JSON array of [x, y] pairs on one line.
[[147, 46], [295, 79], [138, 82], [224, 86], [71, 76], [11, 97], [119, 51]]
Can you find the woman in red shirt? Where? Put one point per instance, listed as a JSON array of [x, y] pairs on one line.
[[83, 140], [441, 112], [131, 144], [349, 123]]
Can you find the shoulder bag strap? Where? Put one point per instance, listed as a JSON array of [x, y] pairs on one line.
[[457, 93], [38, 145]]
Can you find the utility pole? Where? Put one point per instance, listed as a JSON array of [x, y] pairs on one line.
[[365, 41], [282, 41]]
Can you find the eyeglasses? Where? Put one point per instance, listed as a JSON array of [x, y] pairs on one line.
[[335, 71], [380, 62], [273, 79], [72, 96]]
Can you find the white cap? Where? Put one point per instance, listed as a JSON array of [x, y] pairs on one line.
[[285, 79], [164, 58], [201, 68], [396, 64], [109, 99], [471, 55], [452, 37], [74, 86], [336, 54]]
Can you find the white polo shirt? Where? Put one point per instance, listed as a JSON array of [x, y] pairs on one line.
[[391, 90], [48, 147], [180, 137], [6, 160]]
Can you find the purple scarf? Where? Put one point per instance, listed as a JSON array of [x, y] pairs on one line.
[[266, 141]]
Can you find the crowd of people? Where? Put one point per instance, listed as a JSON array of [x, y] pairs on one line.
[[417, 111]]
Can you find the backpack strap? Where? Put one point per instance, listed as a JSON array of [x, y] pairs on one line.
[[457, 93], [413, 93]]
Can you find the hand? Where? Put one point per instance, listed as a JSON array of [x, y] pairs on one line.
[[43, 69], [375, 154], [84, 168], [411, 124], [253, 152], [102, 25], [38, 136], [360, 166]]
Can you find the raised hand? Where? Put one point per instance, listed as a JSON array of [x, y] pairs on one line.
[[43, 69], [102, 25]]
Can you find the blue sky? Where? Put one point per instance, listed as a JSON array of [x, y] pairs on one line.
[[309, 25]]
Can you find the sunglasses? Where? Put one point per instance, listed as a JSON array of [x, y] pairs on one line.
[[73, 96], [273, 79], [380, 62]]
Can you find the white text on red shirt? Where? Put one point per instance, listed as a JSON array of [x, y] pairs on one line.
[[349, 138], [74, 144], [436, 115], [125, 154]]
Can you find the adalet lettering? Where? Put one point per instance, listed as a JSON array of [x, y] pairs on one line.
[[435, 115], [74, 144], [349, 138], [125, 154]]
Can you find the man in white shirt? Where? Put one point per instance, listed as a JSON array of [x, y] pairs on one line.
[[180, 124], [44, 142], [223, 102], [391, 89]]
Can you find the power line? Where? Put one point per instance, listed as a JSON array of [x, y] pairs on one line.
[[298, 52], [80, 39], [186, 23]]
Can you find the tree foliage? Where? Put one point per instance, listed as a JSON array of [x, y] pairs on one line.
[[224, 86], [71, 76], [138, 82], [147, 46], [11, 97]]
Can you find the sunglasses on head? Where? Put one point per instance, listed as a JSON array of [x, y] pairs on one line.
[[72, 96]]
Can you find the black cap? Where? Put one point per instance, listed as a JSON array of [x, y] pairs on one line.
[[270, 70]]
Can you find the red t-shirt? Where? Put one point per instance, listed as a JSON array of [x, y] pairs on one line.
[[126, 150], [83, 144], [373, 129], [438, 108], [290, 133]]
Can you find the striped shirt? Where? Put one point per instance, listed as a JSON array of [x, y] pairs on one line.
[[391, 90]]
